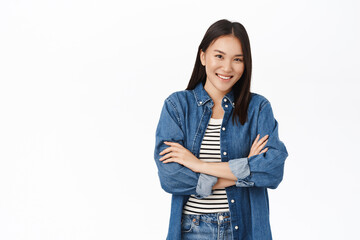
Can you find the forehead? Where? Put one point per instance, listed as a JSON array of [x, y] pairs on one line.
[[228, 44]]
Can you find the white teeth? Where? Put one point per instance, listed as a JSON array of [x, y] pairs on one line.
[[224, 77]]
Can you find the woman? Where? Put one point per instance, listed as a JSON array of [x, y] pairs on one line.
[[210, 145]]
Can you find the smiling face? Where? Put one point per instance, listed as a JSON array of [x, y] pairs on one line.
[[224, 64]]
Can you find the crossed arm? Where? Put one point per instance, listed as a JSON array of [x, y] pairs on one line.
[[179, 154], [181, 173]]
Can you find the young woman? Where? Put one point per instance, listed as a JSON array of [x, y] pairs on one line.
[[217, 145]]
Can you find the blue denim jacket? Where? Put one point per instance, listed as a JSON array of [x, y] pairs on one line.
[[184, 118]]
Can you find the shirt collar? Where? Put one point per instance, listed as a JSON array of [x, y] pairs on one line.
[[203, 97]]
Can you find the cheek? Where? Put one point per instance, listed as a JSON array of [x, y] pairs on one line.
[[239, 68], [210, 67]]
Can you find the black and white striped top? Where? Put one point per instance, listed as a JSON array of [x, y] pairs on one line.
[[209, 152]]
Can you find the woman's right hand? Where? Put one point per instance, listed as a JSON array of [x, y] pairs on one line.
[[257, 146]]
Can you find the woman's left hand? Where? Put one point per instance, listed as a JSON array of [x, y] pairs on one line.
[[177, 153]]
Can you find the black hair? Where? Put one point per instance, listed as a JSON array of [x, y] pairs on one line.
[[241, 88]]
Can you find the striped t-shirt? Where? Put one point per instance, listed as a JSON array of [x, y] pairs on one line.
[[209, 152]]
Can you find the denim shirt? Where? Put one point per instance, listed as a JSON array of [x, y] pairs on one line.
[[184, 118]]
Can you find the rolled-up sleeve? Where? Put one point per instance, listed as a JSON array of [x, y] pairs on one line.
[[240, 168], [205, 185], [174, 178]]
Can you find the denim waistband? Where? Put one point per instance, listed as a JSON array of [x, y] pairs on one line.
[[221, 217]]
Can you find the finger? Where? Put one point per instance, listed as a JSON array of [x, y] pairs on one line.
[[264, 151], [166, 156], [261, 141], [172, 143], [166, 150], [173, 158], [262, 145], [264, 138], [258, 148], [170, 160], [177, 144], [256, 139]]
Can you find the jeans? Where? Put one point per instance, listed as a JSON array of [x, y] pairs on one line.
[[212, 226]]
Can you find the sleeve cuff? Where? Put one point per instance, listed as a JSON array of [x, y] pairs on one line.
[[204, 185], [240, 168]]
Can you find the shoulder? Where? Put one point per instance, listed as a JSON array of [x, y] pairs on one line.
[[258, 101], [180, 95], [177, 105], [179, 98]]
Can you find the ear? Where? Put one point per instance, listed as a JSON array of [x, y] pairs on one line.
[[202, 57]]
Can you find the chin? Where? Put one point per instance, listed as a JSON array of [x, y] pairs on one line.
[[221, 86], [222, 89]]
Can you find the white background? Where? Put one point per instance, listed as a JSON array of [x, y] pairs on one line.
[[83, 83]]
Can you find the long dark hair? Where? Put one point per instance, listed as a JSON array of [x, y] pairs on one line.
[[242, 87]]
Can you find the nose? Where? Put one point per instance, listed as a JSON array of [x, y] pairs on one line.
[[227, 66]]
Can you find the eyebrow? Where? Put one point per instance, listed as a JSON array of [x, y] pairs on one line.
[[238, 55]]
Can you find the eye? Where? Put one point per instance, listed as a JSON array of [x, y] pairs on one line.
[[218, 56], [238, 60]]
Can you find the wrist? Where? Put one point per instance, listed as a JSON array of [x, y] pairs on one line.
[[201, 167]]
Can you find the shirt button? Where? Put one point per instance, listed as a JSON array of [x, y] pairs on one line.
[[225, 100], [233, 104], [200, 102], [232, 200], [224, 153], [236, 227], [223, 128], [226, 105]]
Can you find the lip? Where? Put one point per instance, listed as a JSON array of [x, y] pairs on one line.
[[226, 80]]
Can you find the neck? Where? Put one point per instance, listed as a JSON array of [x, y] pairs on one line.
[[214, 93]]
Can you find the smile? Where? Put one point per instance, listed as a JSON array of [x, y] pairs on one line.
[[223, 77]]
